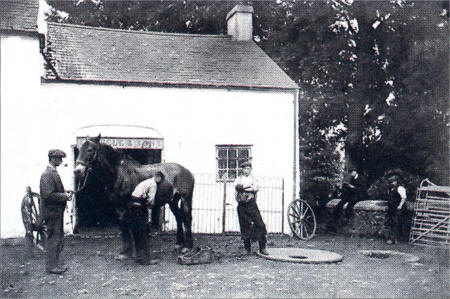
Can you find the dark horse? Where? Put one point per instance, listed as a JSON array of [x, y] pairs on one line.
[[120, 174]]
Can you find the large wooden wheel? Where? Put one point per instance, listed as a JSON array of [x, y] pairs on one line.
[[38, 235], [302, 219], [32, 214]]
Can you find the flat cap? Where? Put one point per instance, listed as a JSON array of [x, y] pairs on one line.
[[246, 163], [393, 173], [56, 153]]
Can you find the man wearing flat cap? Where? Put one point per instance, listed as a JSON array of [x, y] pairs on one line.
[[396, 196], [143, 197], [53, 203], [354, 189], [250, 220]]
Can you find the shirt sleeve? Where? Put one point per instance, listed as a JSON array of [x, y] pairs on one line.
[[238, 185], [151, 190], [255, 184], [137, 191], [402, 191]]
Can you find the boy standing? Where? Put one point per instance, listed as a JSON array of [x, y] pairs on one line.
[[248, 212], [396, 196]]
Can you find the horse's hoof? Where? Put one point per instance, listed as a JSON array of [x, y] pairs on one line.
[[185, 250], [178, 248]]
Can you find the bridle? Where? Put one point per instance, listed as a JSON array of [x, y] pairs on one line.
[[88, 164], [82, 185], [92, 159]]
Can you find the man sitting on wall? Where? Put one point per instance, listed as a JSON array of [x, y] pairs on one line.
[[353, 190]]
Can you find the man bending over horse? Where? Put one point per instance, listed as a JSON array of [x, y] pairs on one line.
[[142, 198]]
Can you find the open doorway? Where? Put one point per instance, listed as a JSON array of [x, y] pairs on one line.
[[93, 210]]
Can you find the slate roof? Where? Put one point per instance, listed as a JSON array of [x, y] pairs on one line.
[[80, 53], [20, 15]]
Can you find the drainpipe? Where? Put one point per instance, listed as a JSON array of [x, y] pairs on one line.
[[296, 172]]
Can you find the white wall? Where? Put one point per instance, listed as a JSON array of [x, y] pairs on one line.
[[20, 86], [192, 122]]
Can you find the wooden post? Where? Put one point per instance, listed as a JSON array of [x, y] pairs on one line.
[[224, 205], [282, 206]]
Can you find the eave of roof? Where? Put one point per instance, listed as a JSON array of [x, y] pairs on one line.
[[100, 55], [19, 15], [166, 84]]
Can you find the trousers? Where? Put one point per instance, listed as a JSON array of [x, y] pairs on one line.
[[250, 221], [55, 239], [136, 227], [395, 219], [348, 196]]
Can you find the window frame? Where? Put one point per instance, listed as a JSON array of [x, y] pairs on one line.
[[227, 169]]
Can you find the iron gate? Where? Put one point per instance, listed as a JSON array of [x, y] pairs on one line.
[[214, 206]]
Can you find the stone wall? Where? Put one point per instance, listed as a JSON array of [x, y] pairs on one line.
[[368, 219]]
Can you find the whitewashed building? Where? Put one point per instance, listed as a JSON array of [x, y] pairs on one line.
[[204, 101]]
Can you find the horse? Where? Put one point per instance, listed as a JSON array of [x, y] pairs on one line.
[[120, 174]]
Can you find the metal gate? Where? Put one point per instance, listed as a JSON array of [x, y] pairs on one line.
[[431, 223], [214, 206]]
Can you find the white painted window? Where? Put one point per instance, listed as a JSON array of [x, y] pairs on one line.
[[229, 157]]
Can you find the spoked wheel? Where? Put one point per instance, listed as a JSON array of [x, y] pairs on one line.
[[38, 235], [302, 219]]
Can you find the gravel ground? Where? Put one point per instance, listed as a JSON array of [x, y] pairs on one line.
[[95, 272]]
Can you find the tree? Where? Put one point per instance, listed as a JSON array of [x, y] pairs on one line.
[[372, 73]]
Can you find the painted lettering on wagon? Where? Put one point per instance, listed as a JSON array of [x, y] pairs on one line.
[[130, 143]]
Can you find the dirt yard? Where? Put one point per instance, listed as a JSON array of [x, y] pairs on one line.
[[95, 272]]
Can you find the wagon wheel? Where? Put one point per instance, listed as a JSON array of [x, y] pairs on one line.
[[302, 219], [38, 235]]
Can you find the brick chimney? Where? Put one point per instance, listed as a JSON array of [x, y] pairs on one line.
[[240, 22]]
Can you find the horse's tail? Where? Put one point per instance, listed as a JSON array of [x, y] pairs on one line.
[[185, 183], [190, 194]]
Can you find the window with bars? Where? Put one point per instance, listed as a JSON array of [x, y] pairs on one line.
[[229, 158]]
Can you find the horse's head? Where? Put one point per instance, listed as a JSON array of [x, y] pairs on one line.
[[87, 156]]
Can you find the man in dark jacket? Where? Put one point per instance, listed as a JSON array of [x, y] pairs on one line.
[[52, 205], [354, 189]]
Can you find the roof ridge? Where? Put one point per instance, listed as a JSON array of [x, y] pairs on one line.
[[142, 32]]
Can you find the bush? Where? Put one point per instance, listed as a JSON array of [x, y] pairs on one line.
[[379, 188]]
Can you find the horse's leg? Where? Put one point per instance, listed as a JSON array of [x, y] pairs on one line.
[[178, 217], [186, 211]]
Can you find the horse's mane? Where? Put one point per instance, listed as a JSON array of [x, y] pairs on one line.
[[130, 160], [114, 157], [122, 169]]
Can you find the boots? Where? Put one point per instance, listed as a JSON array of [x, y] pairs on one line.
[[52, 266], [247, 247], [262, 246], [58, 270]]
